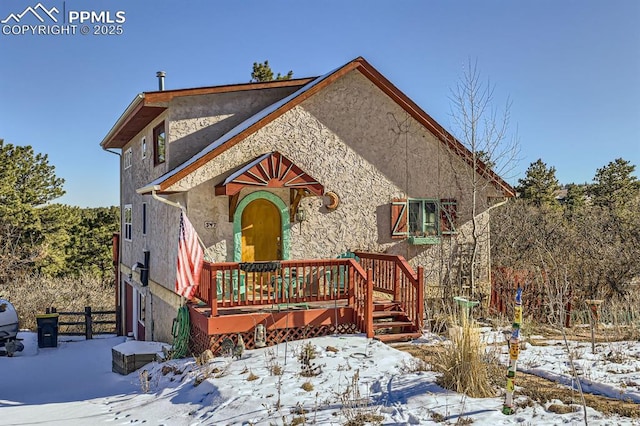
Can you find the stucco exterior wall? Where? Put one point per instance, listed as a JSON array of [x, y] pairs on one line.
[[190, 124], [350, 137], [360, 144], [196, 121]]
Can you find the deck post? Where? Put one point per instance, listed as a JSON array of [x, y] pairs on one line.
[[420, 298], [369, 308], [396, 283], [213, 293], [351, 283]]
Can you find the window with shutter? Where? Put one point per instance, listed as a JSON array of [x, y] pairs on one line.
[[423, 221], [399, 218]]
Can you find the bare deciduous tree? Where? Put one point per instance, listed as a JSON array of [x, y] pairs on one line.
[[484, 131]]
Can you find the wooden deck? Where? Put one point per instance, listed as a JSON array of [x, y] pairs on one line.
[[294, 299]]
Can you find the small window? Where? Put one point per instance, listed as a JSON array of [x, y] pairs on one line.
[[128, 158], [423, 221], [159, 145], [144, 218], [422, 218], [126, 222], [144, 147]]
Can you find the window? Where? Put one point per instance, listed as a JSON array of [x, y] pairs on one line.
[[144, 147], [422, 218], [423, 221], [128, 158], [159, 145], [141, 308], [144, 218], [126, 222]]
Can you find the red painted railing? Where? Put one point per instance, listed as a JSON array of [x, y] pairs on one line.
[[362, 301], [233, 284], [391, 274]]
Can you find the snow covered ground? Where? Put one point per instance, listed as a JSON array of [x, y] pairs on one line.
[[73, 385]]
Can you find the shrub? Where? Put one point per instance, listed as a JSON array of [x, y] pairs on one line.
[[33, 294]]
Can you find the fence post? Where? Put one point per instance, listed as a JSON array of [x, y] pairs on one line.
[[88, 323], [118, 321]]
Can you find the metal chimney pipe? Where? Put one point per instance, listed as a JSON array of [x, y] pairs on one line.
[[161, 75]]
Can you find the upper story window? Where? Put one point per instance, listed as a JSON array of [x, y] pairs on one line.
[[127, 222], [423, 220], [144, 147], [159, 144], [128, 158], [144, 218]]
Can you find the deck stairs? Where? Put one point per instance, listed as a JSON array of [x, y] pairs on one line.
[[391, 324]]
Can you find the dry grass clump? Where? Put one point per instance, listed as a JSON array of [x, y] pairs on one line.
[[463, 365], [307, 386], [562, 409], [355, 406], [32, 294]]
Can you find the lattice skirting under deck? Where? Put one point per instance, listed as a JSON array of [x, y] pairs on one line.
[[200, 341]]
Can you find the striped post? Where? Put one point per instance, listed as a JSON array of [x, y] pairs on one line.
[[514, 351]]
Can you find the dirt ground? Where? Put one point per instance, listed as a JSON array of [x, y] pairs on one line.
[[541, 390]]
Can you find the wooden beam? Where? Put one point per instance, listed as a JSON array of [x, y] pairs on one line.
[[233, 204]]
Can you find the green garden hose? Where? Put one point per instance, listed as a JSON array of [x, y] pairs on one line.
[[181, 333]]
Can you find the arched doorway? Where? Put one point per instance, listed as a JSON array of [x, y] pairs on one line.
[[261, 231]]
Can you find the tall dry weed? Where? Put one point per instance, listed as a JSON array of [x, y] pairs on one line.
[[464, 365]]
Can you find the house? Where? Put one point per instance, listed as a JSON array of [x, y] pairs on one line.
[[308, 194]]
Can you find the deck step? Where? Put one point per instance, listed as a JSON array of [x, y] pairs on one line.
[[391, 324], [384, 314], [397, 337], [386, 306]]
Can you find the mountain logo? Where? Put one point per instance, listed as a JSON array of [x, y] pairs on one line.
[[38, 11]]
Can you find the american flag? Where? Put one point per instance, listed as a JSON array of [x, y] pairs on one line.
[[190, 259]]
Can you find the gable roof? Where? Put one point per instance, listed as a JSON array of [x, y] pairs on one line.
[[269, 114], [147, 106]]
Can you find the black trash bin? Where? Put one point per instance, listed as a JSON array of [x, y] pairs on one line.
[[47, 330]]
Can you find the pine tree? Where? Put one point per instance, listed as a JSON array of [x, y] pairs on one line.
[[27, 184], [539, 185], [576, 196], [614, 185], [262, 72]]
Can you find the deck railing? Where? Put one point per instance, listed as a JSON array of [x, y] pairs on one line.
[[363, 299], [233, 284], [392, 275]]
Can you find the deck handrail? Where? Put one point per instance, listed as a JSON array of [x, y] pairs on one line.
[[393, 275]]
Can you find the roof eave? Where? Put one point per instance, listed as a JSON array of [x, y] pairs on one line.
[[145, 190], [122, 120]]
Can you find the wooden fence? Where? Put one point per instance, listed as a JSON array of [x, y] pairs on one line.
[[85, 324]]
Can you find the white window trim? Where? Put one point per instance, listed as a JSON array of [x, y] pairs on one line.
[[125, 224], [144, 147], [128, 158]]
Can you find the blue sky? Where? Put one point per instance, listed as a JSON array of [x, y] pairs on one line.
[[571, 69]]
